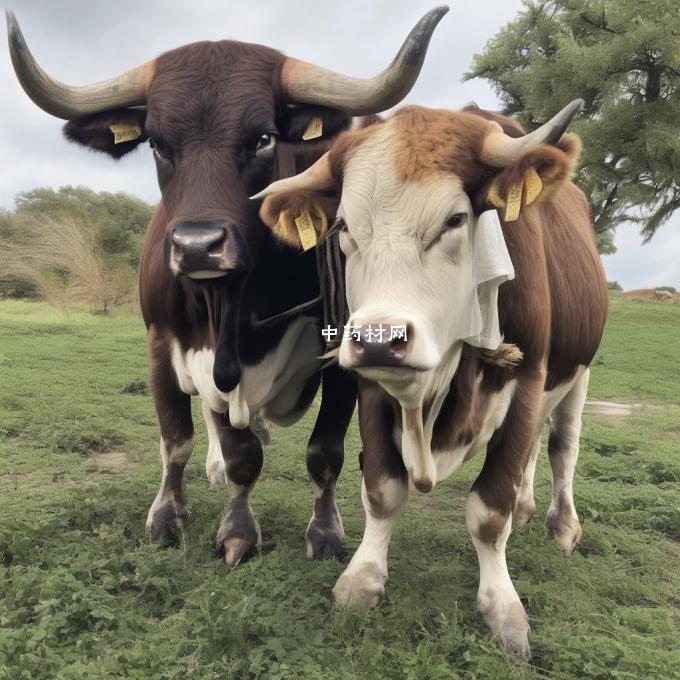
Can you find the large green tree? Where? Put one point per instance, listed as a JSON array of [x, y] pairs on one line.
[[623, 58]]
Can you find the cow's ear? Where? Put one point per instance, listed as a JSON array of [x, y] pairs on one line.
[[115, 132], [290, 214], [535, 175], [299, 209], [308, 124]]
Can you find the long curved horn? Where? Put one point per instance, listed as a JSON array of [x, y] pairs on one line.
[[306, 83], [65, 101], [499, 149], [317, 176]]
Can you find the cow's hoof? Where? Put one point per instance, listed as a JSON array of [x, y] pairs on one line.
[[323, 544], [523, 512], [509, 624], [166, 524], [566, 529], [235, 550], [324, 537], [363, 586], [216, 472], [238, 537]]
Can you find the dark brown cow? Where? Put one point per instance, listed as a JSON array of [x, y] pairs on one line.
[[232, 314], [426, 253]]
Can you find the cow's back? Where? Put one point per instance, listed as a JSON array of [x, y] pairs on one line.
[[578, 286], [557, 304]]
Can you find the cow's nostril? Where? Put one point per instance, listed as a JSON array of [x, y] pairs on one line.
[[217, 246], [398, 347], [380, 343]]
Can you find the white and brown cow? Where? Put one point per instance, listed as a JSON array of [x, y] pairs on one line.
[[425, 248]]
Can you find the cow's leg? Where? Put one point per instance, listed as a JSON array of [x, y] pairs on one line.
[[325, 455], [215, 467], [239, 532], [489, 513], [497, 598], [168, 511], [562, 522], [525, 506], [384, 492]]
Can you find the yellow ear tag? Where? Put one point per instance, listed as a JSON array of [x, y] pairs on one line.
[[533, 184], [125, 132], [314, 129], [305, 227], [514, 202]]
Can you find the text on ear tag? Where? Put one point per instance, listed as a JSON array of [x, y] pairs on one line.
[[314, 129], [533, 184], [306, 231], [514, 202], [125, 132]]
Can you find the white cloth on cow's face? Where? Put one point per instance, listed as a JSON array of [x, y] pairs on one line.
[[491, 266]]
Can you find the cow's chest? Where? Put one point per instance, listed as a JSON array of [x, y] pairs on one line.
[[449, 458], [280, 375]]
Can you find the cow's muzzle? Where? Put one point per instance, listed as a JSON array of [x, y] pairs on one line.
[[379, 344], [206, 249], [387, 348]]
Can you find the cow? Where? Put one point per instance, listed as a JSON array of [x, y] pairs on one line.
[[232, 314], [416, 201]]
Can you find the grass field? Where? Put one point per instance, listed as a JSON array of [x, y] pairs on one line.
[[85, 594]]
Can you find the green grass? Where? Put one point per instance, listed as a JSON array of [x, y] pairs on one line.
[[85, 594]]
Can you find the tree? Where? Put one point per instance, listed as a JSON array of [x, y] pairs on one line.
[[118, 220], [63, 261], [623, 58], [72, 244]]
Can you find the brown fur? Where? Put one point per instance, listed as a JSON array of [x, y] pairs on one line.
[[381, 458], [489, 530]]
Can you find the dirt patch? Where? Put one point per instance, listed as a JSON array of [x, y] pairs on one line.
[[110, 459], [103, 463], [25, 479], [610, 409], [651, 294]]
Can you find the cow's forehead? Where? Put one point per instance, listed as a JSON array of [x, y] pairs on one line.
[[426, 140], [205, 84], [404, 177]]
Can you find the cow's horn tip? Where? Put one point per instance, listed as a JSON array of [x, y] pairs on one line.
[[11, 19], [433, 17]]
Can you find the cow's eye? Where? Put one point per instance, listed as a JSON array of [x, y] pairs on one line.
[[159, 149], [266, 142], [455, 221]]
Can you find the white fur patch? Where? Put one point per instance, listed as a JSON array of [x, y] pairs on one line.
[[449, 460], [292, 361], [378, 530]]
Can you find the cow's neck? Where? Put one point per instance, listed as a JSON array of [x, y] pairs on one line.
[[419, 413]]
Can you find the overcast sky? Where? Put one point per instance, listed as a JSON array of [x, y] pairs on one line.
[[80, 41]]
